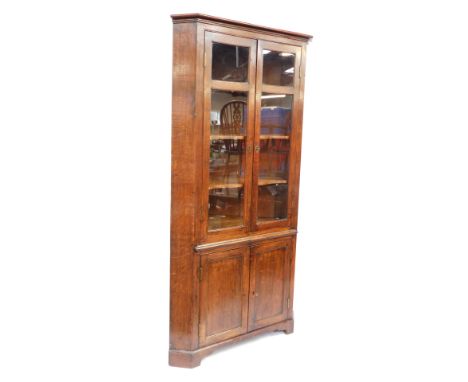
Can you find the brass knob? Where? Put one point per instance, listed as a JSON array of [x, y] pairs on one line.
[[257, 149]]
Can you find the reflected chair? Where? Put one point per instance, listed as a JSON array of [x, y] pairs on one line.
[[233, 120]]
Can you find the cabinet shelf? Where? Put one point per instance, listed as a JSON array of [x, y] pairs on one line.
[[269, 181], [215, 137], [221, 221], [273, 136], [238, 183], [226, 183]]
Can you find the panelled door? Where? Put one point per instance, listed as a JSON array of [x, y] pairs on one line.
[[276, 112], [244, 289], [269, 283], [252, 106], [229, 104], [224, 290]]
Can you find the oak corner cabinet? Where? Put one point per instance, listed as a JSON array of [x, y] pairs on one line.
[[237, 105]]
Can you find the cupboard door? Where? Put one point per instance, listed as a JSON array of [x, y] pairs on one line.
[[223, 295], [277, 121], [269, 283], [229, 104]]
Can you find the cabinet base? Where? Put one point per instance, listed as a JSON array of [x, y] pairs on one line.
[[191, 359]]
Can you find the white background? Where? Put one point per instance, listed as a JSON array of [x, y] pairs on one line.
[[382, 286]]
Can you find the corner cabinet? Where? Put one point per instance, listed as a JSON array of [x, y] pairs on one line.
[[236, 141]]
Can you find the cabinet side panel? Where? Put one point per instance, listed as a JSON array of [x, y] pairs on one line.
[[298, 148], [292, 273], [183, 187]]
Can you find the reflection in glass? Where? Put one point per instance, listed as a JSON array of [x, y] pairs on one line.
[[278, 68], [227, 159], [225, 208], [273, 179], [274, 163], [275, 129], [276, 114], [230, 63], [272, 202]]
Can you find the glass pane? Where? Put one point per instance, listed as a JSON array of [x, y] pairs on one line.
[[230, 62], [272, 202], [274, 160], [276, 114], [225, 208], [273, 177], [278, 68], [227, 159]]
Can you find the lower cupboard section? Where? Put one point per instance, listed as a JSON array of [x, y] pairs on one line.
[[244, 289]]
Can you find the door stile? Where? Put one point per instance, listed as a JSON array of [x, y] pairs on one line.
[[248, 87], [295, 91]]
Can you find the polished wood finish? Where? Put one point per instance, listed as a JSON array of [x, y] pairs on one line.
[[250, 240], [269, 283], [183, 313], [210, 84], [239, 24], [295, 90], [236, 281], [224, 292]]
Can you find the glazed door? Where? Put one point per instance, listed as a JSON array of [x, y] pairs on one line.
[[277, 114], [224, 290], [229, 104], [269, 283]]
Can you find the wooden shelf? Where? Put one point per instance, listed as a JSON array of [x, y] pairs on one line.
[[222, 221], [214, 137], [268, 220], [268, 181], [225, 183], [237, 183], [273, 136]]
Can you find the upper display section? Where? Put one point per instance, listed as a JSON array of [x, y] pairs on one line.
[[220, 20]]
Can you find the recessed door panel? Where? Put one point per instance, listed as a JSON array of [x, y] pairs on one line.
[[269, 283], [223, 295]]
